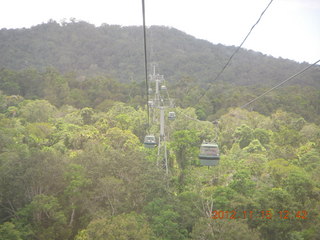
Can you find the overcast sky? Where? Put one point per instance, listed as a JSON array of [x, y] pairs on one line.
[[289, 29]]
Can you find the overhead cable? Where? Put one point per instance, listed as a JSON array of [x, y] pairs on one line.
[[278, 85], [145, 59], [237, 50]]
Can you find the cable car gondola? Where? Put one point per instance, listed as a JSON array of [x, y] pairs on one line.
[[163, 88], [150, 141], [172, 116], [150, 103], [209, 154]]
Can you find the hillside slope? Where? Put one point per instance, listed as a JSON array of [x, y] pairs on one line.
[[118, 52]]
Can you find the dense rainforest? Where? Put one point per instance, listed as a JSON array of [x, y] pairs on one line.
[[72, 161]]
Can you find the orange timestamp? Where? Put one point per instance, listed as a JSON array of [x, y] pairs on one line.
[[264, 214]]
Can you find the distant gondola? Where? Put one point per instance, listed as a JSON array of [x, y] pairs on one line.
[[150, 103], [150, 141], [163, 88], [172, 116], [209, 154]]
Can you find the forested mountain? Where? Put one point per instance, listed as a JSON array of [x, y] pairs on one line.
[[118, 52]]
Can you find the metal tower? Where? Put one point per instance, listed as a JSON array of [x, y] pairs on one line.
[[158, 104]]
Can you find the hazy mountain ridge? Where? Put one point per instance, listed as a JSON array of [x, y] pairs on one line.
[[118, 52]]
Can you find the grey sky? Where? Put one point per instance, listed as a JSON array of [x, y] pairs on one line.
[[289, 29]]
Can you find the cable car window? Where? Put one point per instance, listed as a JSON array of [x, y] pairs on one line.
[[209, 150]]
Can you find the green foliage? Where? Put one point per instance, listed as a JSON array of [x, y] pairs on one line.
[[201, 114], [9, 83], [69, 173], [256, 164], [287, 136], [242, 183], [310, 160], [280, 169], [37, 134], [75, 176], [45, 218], [222, 197], [164, 220], [37, 111], [183, 145], [214, 229], [299, 185], [263, 135], [122, 227], [127, 118], [56, 88], [244, 135], [8, 232], [255, 147], [188, 208]]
